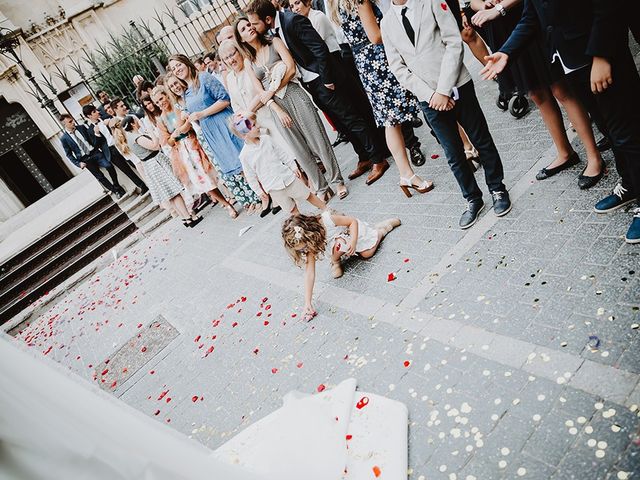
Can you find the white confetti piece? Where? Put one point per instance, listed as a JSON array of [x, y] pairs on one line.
[[588, 429], [522, 472], [502, 464], [600, 453], [470, 477], [465, 408], [536, 417], [443, 468], [569, 423], [505, 451], [609, 413], [573, 431], [244, 230], [615, 428], [598, 405], [602, 445], [582, 420], [634, 326], [591, 442], [623, 475], [392, 387], [541, 398]]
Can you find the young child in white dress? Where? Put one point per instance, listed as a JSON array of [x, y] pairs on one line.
[[311, 237], [270, 171]]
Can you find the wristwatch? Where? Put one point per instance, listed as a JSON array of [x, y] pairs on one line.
[[501, 9]]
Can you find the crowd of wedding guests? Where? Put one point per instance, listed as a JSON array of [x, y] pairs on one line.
[[244, 125]]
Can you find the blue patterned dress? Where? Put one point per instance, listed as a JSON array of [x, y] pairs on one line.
[[391, 103], [217, 136]]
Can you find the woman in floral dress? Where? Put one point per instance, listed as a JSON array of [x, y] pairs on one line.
[[392, 104], [208, 103]]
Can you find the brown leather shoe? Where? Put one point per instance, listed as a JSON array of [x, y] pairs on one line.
[[377, 171], [361, 169]]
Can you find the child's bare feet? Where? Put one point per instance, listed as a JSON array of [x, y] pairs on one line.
[[336, 269]]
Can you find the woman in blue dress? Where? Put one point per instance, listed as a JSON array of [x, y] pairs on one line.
[[208, 103], [392, 104]]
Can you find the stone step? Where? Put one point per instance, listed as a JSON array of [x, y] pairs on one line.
[[80, 220], [9, 307]]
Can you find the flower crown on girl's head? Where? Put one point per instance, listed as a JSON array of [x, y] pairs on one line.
[[298, 233]]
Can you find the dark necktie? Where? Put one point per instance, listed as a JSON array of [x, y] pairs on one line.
[[407, 27], [275, 32]]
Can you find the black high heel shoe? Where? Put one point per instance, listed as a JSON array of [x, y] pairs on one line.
[[267, 210], [192, 222]]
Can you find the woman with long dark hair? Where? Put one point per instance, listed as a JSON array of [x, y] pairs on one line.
[[274, 80], [208, 103]]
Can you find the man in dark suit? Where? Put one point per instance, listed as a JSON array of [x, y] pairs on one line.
[[107, 145], [81, 146], [589, 39], [324, 80]]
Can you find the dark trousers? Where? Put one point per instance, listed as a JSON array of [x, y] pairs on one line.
[[467, 113], [618, 108], [338, 105], [91, 161], [119, 161]]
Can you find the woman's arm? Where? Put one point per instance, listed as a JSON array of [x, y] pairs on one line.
[[148, 143], [369, 22], [184, 127], [288, 60], [309, 281], [211, 110], [165, 136], [352, 224], [490, 14]]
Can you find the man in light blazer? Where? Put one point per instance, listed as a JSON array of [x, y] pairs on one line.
[[424, 48]]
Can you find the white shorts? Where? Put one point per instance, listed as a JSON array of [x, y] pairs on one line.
[[289, 196]]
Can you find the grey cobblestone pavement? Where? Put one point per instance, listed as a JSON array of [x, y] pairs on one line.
[[515, 345]]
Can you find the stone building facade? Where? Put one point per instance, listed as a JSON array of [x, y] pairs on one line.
[[52, 37]]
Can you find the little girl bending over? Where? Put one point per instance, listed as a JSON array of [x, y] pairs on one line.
[[310, 237], [269, 170]]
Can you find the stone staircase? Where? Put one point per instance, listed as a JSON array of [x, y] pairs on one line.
[[71, 246]]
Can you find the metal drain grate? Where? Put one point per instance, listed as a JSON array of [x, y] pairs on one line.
[[135, 354]]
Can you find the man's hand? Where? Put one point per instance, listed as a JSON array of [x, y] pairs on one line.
[[484, 16], [96, 129], [441, 102], [330, 86], [601, 77], [83, 165], [496, 63]]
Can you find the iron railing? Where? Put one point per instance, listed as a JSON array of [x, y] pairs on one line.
[[144, 45]]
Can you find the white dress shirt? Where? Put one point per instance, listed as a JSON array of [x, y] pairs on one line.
[[325, 29], [265, 163], [307, 75], [104, 131], [77, 137], [411, 12]]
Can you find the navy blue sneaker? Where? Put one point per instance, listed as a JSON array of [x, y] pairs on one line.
[[471, 214], [618, 199], [501, 202], [633, 234]]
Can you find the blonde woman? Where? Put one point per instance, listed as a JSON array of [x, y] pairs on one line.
[[163, 185], [190, 163]]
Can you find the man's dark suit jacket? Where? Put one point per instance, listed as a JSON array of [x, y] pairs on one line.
[[577, 29], [306, 46], [73, 152]]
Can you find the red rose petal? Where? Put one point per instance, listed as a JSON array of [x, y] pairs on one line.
[[274, 370], [157, 413], [349, 437], [407, 363], [406, 260], [266, 322], [197, 339], [143, 349], [391, 277], [363, 402], [264, 299], [234, 324], [299, 365], [321, 388], [256, 351], [435, 155], [194, 399]]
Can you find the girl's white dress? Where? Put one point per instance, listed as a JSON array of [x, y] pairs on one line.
[[367, 235]]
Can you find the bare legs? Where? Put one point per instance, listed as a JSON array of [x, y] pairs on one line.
[[395, 142], [545, 99], [216, 195], [552, 117], [578, 116], [177, 203]]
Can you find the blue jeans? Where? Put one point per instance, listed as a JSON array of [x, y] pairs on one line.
[[467, 112]]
